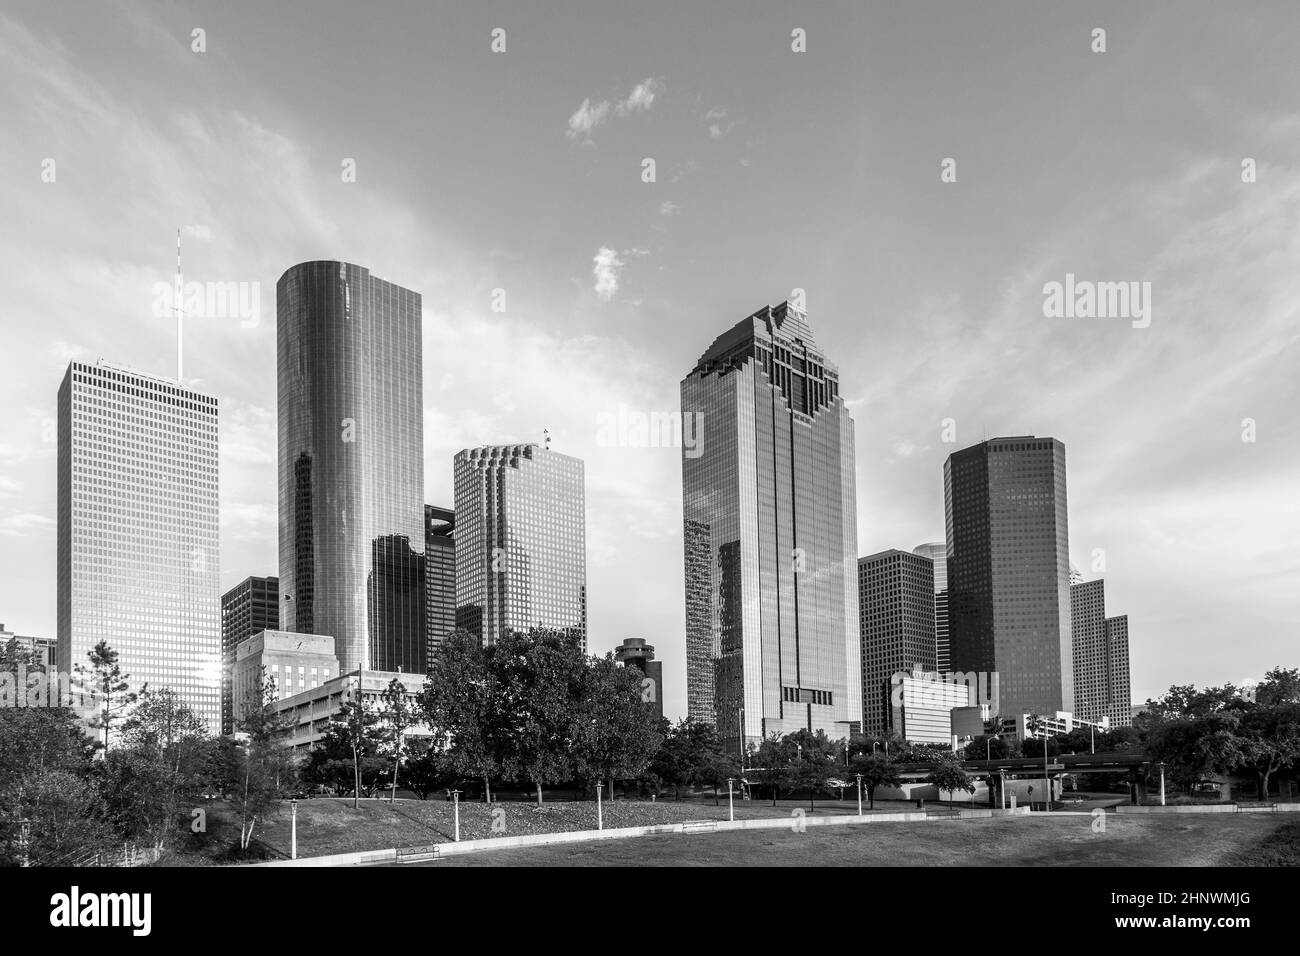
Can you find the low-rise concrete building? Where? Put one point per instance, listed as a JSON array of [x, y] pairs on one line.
[[296, 662]]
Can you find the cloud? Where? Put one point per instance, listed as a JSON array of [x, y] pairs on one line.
[[642, 96], [592, 114], [18, 526], [669, 208], [607, 269], [586, 118], [714, 118], [202, 233]]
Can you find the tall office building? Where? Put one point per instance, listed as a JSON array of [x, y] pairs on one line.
[[250, 607], [1008, 571], [937, 552], [351, 464], [439, 575], [138, 538], [770, 536], [520, 541], [1101, 676], [635, 652], [896, 592]]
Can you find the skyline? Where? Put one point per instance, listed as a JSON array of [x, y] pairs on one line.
[[605, 273]]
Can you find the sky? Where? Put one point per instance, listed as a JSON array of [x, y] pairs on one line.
[[774, 170]]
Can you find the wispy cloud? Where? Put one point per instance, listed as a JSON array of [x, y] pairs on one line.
[[608, 267], [591, 113]]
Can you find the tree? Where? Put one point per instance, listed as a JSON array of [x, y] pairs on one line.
[[814, 760], [614, 729], [461, 700], [399, 714], [877, 770], [109, 684], [52, 817], [355, 729], [1034, 746], [162, 765], [672, 762], [776, 758], [540, 676], [1270, 740], [1191, 747], [256, 768], [948, 774], [429, 771], [987, 747], [1279, 686]]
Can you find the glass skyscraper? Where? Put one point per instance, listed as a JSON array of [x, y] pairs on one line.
[[770, 536], [1009, 571], [351, 464], [250, 607], [937, 552], [439, 575], [1101, 678], [520, 541], [139, 556], [897, 624]]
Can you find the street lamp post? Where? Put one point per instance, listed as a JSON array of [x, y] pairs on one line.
[[293, 829], [731, 807], [859, 776], [24, 836], [600, 819], [1162, 783], [455, 801]]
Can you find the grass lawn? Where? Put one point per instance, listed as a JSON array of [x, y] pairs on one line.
[[330, 825], [1146, 840]]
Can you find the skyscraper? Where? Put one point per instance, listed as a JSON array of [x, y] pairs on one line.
[[1008, 571], [1101, 678], [937, 552], [897, 624], [770, 536], [138, 539], [439, 575], [250, 607], [351, 464], [520, 541], [635, 652]]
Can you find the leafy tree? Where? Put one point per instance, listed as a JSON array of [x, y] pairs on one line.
[[52, 817], [1192, 748], [614, 733], [38, 739], [948, 774], [1184, 700], [877, 771], [776, 759], [540, 679], [165, 761], [1034, 746], [987, 747], [461, 700], [257, 768], [672, 763], [814, 760], [110, 685], [347, 757], [1279, 686], [399, 715], [1270, 740], [429, 771]]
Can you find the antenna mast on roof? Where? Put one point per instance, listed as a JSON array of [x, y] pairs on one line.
[[180, 366], [546, 434]]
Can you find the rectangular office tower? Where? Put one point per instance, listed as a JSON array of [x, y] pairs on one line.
[[138, 537], [937, 552], [439, 575], [351, 464], [521, 541], [250, 607], [770, 536], [897, 623], [1009, 571], [1101, 678]]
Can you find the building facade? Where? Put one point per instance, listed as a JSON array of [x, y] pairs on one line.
[[439, 575], [896, 620], [635, 652], [139, 556], [520, 541], [250, 607], [937, 552], [922, 706], [1008, 571], [308, 713], [1118, 708], [770, 536], [296, 662], [43, 652], [351, 463]]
